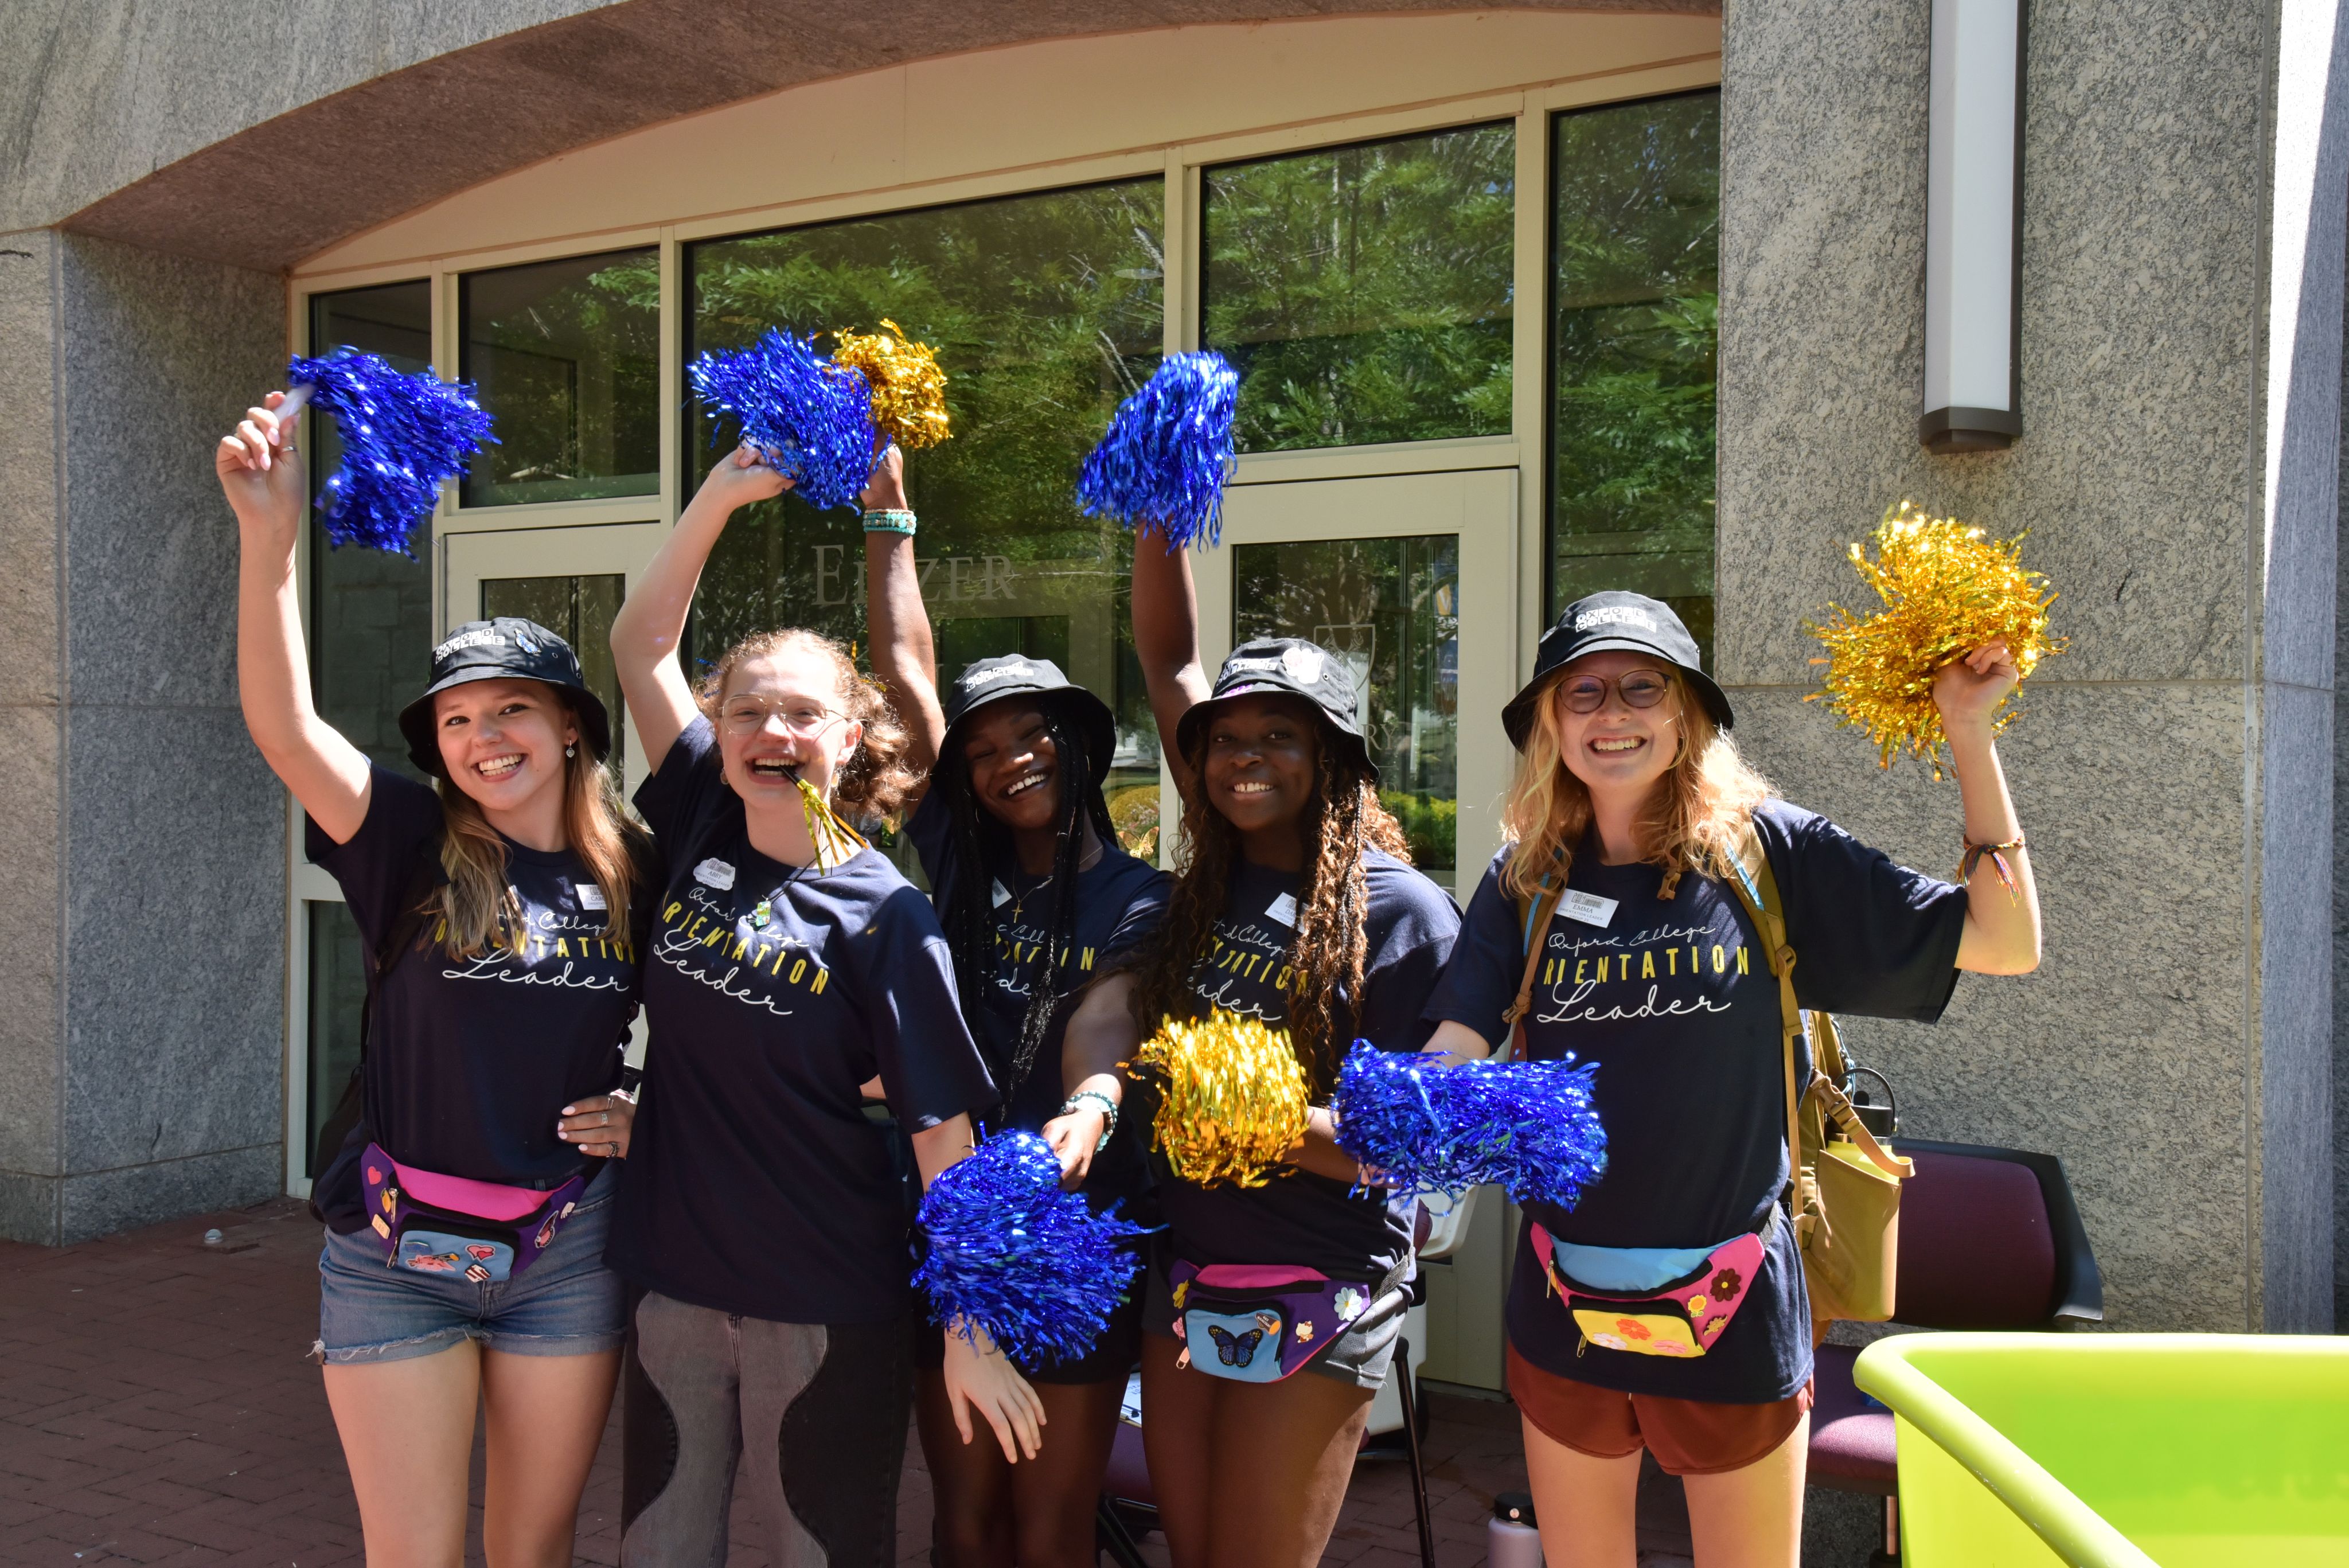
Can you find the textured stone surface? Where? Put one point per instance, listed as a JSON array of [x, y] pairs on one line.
[[2124, 1052], [171, 166]]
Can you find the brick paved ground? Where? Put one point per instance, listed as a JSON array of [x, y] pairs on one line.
[[157, 1407]]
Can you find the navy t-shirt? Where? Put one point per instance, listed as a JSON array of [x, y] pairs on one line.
[[755, 1184], [1676, 1004], [470, 1062], [1298, 1218], [1119, 900]]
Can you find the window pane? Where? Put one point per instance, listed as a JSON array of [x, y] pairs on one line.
[[1365, 292], [1390, 609], [371, 612], [1637, 242], [338, 990], [579, 610], [1045, 311], [566, 356]]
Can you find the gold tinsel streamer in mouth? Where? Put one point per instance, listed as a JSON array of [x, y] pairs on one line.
[[909, 390], [1231, 1099], [1946, 590]]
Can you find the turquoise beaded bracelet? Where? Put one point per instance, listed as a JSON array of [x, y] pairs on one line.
[[889, 521]]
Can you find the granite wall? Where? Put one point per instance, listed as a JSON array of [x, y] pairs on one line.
[[144, 1035], [2170, 769]]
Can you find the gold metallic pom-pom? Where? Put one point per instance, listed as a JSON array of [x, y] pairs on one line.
[[1231, 1098], [1946, 590], [909, 390]]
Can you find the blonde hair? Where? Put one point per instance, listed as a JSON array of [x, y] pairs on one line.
[[872, 781], [1694, 820], [477, 907]]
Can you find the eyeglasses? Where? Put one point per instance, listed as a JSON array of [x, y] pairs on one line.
[[747, 713], [1587, 693]]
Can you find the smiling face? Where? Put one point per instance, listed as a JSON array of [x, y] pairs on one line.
[[502, 741], [1618, 748], [1015, 769], [782, 711], [1263, 761]]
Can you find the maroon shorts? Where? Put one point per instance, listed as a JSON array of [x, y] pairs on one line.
[[1688, 1436]]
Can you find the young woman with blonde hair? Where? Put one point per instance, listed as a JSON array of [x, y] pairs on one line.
[[500, 914], [762, 1215], [1631, 800]]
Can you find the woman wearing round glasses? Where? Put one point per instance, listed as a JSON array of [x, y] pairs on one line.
[[1634, 818], [789, 967]]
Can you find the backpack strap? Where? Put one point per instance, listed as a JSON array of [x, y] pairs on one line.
[[1759, 891], [1538, 918]]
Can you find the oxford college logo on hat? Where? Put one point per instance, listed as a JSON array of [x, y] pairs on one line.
[[1615, 615], [1001, 672], [465, 639]]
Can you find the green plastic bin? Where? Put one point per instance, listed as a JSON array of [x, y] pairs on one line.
[[2188, 1450]]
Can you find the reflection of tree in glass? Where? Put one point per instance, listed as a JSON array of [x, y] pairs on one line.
[[1045, 311], [1365, 293], [1637, 253], [566, 354]]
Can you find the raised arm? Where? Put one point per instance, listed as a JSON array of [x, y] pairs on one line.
[[646, 633], [260, 473], [1166, 642], [904, 658], [2003, 932]]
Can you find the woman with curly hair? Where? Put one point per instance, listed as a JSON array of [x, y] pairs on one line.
[[1667, 1309], [1295, 903], [763, 1219]]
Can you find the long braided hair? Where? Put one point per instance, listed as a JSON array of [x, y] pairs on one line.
[[979, 841], [1343, 820]]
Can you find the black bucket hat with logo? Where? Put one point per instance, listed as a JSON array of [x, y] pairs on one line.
[[506, 649], [1041, 681], [1296, 667], [1611, 622]]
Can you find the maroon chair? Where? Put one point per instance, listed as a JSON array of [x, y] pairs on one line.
[[1990, 1238]]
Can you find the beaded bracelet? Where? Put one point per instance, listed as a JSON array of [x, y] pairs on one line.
[[890, 520], [1108, 1110]]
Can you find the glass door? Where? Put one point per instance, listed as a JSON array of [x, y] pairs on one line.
[[569, 580], [1409, 580]]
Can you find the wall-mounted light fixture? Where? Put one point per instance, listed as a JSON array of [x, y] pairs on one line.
[[1973, 228]]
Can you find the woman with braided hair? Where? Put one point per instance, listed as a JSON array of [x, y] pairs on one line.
[[1297, 905], [1037, 902]]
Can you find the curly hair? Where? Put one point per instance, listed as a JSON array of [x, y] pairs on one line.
[[1342, 820], [1693, 822], [872, 781]]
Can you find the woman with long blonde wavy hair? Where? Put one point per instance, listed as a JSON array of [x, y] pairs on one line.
[[466, 1200], [1667, 1308]]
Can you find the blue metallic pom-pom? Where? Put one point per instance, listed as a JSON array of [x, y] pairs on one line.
[[402, 435], [1012, 1253], [1168, 453], [812, 418], [1528, 1126]]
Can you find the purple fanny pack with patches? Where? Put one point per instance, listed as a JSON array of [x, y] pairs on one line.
[[1256, 1323], [478, 1230]]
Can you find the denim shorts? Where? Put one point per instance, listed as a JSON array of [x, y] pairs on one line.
[[565, 1303]]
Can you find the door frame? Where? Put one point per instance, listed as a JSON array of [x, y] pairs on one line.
[[1480, 506]]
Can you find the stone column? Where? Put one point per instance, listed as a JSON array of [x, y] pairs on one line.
[[142, 963]]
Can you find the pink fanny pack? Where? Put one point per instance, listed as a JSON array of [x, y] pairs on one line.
[[481, 1230], [1680, 1318]]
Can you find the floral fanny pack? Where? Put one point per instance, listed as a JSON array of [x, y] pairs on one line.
[[1255, 1323], [1680, 1314], [480, 1231]]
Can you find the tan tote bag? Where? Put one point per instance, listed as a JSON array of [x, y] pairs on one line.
[[1847, 1186]]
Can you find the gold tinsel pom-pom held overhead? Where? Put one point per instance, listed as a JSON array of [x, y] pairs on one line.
[[1946, 590], [1231, 1098], [909, 390]]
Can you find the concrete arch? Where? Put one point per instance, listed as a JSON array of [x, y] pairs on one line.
[[283, 189]]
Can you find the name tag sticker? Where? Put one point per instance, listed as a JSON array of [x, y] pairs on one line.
[[1588, 908], [591, 896], [1284, 909], [1002, 893], [715, 872]]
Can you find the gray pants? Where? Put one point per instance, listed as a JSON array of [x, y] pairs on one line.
[[814, 1414]]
